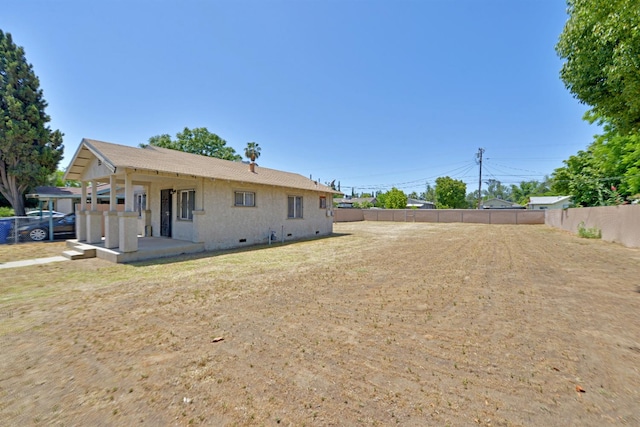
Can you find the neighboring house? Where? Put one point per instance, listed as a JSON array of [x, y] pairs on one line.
[[420, 204], [500, 204], [347, 202], [216, 203], [64, 199], [550, 202]]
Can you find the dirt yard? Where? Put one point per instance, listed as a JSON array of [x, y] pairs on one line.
[[382, 324]]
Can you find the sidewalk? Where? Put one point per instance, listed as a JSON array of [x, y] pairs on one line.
[[29, 262]]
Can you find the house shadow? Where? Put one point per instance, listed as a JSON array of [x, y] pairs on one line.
[[215, 253]]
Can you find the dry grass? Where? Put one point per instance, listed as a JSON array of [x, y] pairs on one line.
[[31, 250], [410, 324]]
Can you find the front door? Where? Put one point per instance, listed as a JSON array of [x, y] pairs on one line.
[[165, 213]]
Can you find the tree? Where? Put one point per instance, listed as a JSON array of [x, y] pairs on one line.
[[617, 159], [395, 199], [392, 199], [495, 190], [56, 179], [522, 192], [450, 193], [197, 141], [600, 44], [429, 194], [607, 172], [29, 150], [252, 151], [580, 178]]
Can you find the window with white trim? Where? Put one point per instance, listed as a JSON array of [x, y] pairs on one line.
[[244, 198], [323, 202], [294, 207], [186, 204]]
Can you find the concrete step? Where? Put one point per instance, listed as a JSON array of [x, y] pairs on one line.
[[80, 252], [71, 254]]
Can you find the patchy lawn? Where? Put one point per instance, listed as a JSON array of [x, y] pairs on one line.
[[385, 323], [31, 250]]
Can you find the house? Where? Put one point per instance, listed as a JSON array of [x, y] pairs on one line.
[[550, 202], [208, 202], [419, 204], [64, 199], [347, 202], [500, 204]]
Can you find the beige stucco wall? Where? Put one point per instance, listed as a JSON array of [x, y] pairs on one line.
[[348, 215], [620, 224], [484, 216], [223, 225]]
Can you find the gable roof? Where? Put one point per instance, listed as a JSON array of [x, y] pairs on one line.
[[156, 159]]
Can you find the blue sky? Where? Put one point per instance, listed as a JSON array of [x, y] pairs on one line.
[[371, 93]]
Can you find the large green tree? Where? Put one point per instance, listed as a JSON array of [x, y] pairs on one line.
[[29, 150], [580, 178], [600, 44], [392, 199], [450, 193], [196, 141], [606, 173]]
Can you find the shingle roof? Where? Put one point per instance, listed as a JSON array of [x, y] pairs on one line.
[[152, 159]]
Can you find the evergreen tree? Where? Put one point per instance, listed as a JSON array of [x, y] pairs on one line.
[[29, 150]]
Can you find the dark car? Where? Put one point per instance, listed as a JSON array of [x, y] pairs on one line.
[[63, 228]]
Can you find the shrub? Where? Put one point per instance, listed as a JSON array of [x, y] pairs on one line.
[[589, 233], [5, 212]]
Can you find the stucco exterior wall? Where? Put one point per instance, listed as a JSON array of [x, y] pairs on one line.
[[223, 225], [620, 224]]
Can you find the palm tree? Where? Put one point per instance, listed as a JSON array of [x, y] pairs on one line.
[[252, 151]]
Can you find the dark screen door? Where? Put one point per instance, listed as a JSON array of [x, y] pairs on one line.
[[165, 213]]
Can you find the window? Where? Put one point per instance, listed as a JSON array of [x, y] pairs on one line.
[[245, 198], [294, 209], [186, 204], [323, 202]]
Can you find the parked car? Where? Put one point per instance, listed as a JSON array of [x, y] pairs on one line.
[[64, 227]]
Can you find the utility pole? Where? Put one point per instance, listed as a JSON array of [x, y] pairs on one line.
[[479, 156]]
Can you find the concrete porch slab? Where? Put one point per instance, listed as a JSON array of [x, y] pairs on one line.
[[148, 248]]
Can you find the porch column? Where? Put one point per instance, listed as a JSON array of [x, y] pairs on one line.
[[111, 233], [197, 233], [128, 231], [81, 221], [94, 217], [198, 226], [145, 219]]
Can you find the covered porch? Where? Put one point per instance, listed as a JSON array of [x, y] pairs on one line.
[[149, 195]]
